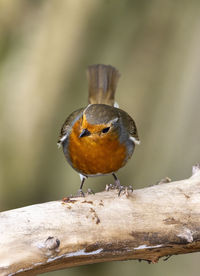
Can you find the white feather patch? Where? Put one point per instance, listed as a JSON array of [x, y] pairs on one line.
[[134, 140], [86, 108], [61, 140], [113, 121], [116, 105]]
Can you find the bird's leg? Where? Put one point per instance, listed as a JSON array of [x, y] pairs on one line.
[[117, 182], [80, 191]]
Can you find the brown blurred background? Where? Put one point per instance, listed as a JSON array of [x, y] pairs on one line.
[[45, 48]]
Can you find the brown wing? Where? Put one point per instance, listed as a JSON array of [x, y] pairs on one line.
[[66, 128], [129, 124], [132, 129]]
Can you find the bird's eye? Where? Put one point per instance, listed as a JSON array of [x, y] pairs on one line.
[[105, 130]]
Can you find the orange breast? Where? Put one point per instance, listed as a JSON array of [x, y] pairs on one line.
[[95, 153]]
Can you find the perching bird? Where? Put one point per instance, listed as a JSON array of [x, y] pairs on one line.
[[100, 138]]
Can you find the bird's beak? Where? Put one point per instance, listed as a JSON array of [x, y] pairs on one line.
[[85, 132]]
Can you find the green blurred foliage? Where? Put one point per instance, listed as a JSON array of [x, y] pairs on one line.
[[45, 48]]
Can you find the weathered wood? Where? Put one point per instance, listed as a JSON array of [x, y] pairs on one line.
[[147, 224]]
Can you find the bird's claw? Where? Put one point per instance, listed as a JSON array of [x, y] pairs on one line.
[[110, 187], [80, 193], [125, 189], [120, 188], [90, 191]]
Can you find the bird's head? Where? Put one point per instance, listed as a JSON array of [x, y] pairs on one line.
[[99, 121]]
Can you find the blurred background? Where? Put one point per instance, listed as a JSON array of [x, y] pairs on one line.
[[45, 48]]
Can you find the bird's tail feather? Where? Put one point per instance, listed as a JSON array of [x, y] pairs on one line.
[[102, 81]]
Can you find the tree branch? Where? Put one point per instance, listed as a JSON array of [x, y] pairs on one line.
[[147, 224]]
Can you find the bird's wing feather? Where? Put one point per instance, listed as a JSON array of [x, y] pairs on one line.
[[130, 126], [66, 128]]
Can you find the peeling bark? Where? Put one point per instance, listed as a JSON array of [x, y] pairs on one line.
[[146, 224]]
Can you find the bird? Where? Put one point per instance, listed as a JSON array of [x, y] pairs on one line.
[[100, 138]]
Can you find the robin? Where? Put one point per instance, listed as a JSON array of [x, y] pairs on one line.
[[100, 138]]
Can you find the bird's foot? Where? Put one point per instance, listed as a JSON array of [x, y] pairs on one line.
[[110, 187], [119, 187], [125, 189], [122, 189], [90, 191], [80, 193]]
